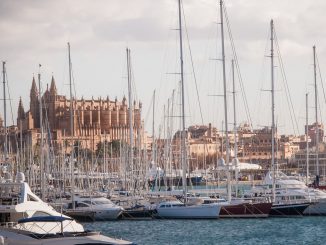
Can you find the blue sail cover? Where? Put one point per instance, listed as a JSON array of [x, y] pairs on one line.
[[44, 219]]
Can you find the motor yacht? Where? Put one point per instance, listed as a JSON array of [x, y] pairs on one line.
[[26, 219]]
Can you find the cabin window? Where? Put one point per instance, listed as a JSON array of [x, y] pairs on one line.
[[103, 202], [89, 202], [82, 205]]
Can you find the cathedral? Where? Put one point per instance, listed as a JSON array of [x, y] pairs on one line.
[[93, 120]]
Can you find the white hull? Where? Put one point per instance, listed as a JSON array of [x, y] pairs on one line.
[[107, 214], [205, 211]]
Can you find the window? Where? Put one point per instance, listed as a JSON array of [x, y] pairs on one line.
[[82, 205]]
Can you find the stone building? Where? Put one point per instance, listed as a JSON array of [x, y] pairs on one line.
[[93, 120]]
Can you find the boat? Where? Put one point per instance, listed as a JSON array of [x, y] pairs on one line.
[[179, 210], [236, 207], [22, 234], [26, 219], [176, 209], [291, 190], [282, 204], [93, 208]]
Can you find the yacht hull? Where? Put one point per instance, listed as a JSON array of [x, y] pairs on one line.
[[246, 210], [296, 209]]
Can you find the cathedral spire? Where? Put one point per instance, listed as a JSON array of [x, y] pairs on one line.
[[34, 91], [21, 111], [53, 87]]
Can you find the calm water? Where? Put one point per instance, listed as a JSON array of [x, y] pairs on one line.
[[303, 230]]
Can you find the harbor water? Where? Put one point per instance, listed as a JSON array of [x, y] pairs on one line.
[[298, 230]]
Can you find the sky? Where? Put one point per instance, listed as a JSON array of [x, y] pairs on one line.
[[36, 32]]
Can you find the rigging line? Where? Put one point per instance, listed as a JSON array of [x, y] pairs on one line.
[[320, 112], [149, 109], [192, 65], [133, 83], [321, 79], [287, 90], [12, 114], [79, 121], [258, 100], [244, 96]]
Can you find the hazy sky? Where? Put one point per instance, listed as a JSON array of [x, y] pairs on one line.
[[36, 32]]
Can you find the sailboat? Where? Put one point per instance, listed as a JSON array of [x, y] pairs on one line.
[[178, 209], [281, 205], [316, 183], [236, 208], [137, 206]]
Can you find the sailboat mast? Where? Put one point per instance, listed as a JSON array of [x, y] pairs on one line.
[[273, 109], [71, 132], [42, 135], [235, 133], [307, 143], [153, 130], [5, 110], [227, 158], [131, 156], [316, 115], [183, 137]]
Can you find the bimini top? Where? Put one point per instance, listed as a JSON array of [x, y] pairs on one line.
[[44, 219]]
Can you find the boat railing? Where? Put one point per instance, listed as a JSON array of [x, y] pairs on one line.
[[10, 193], [8, 224]]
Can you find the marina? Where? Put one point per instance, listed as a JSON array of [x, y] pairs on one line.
[[78, 170]]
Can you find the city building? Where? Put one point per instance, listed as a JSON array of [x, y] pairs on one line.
[[93, 120]]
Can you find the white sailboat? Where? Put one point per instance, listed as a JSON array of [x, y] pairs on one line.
[[178, 209]]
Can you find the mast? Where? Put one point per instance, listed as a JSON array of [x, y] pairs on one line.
[[307, 143], [5, 110], [153, 129], [42, 135], [183, 137], [71, 132], [316, 115], [273, 109], [131, 155], [227, 158], [236, 162]]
